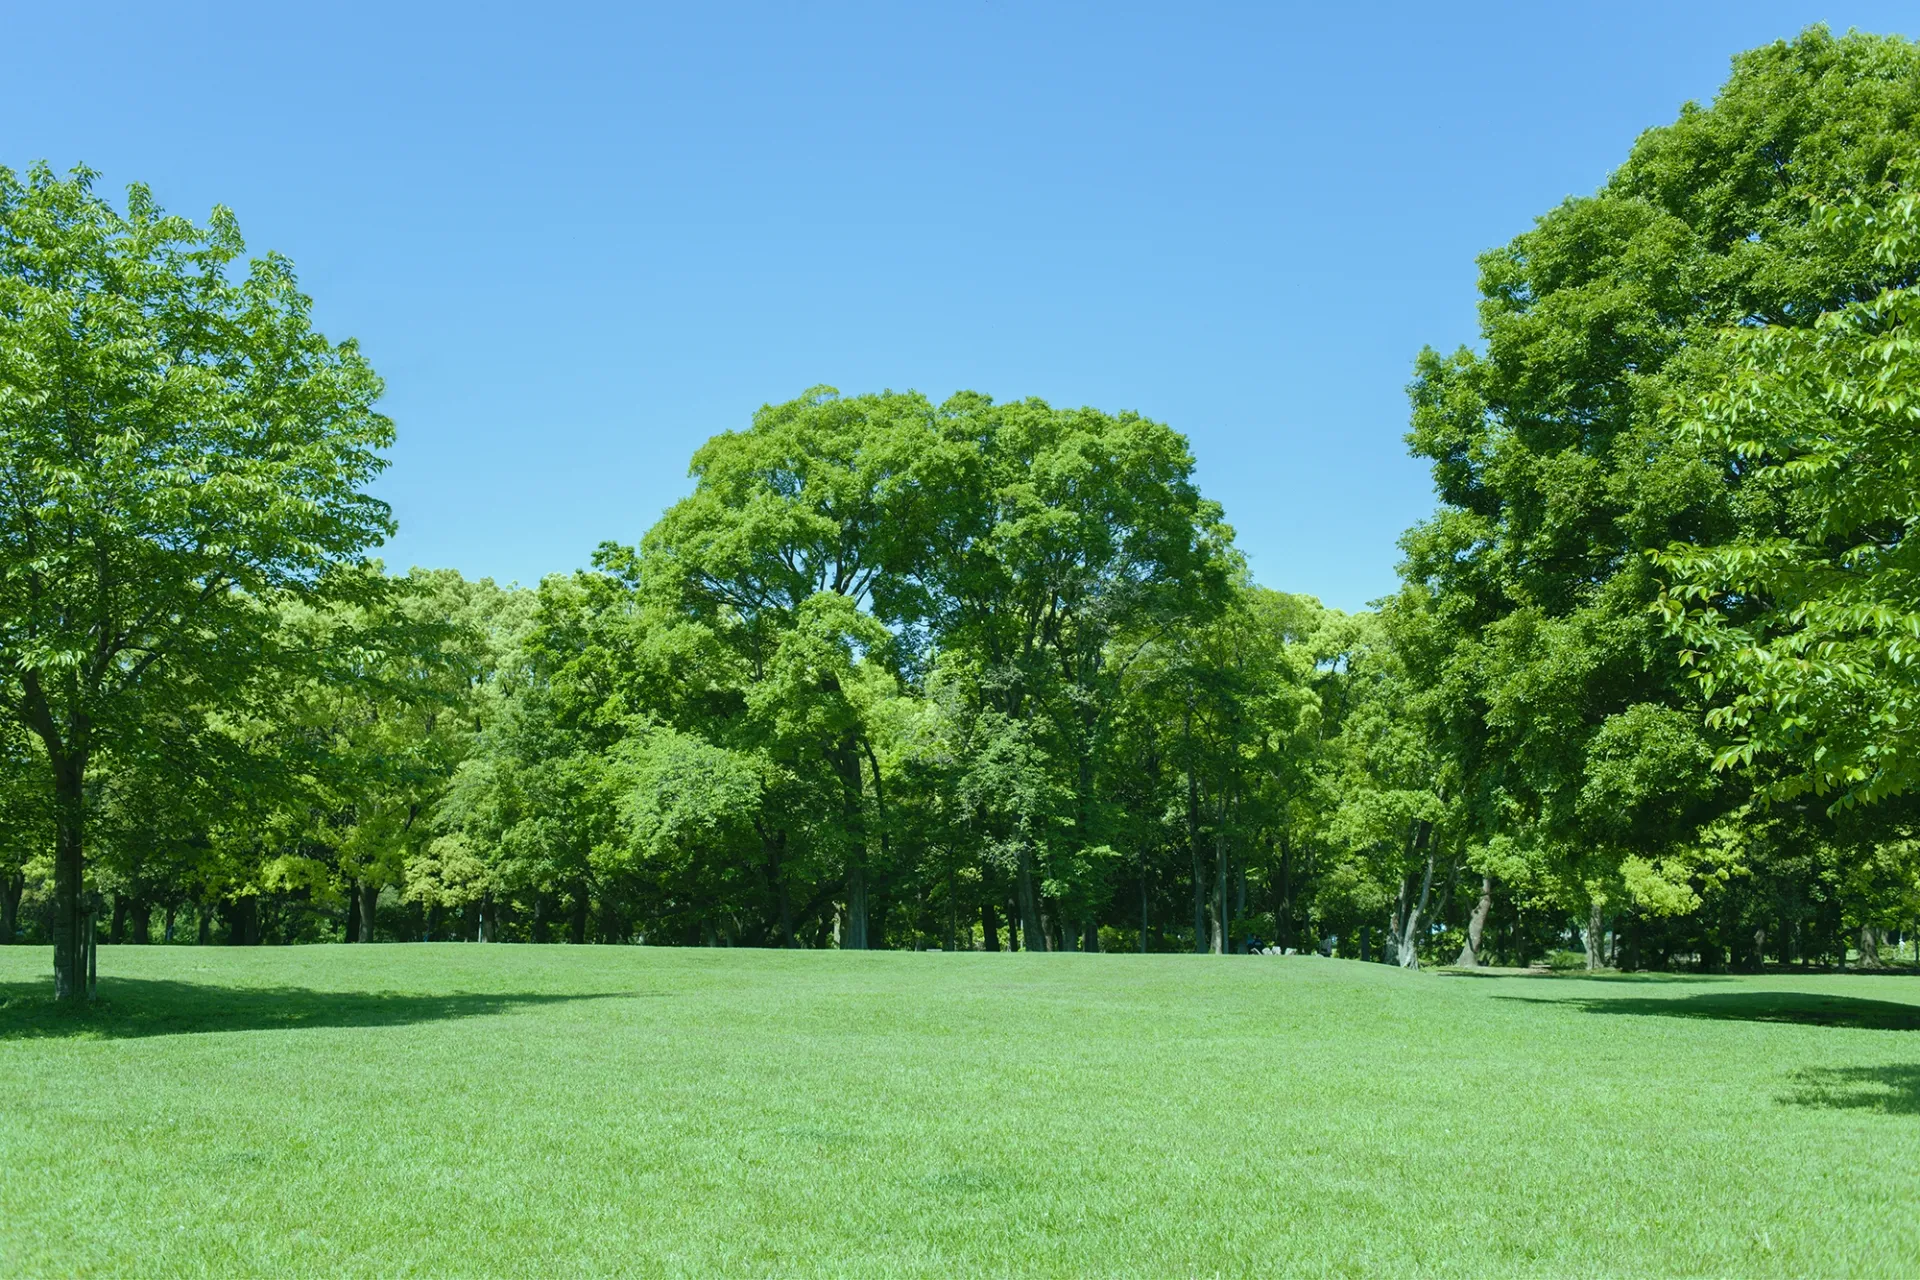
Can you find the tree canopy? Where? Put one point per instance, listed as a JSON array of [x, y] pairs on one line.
[[979, 673]]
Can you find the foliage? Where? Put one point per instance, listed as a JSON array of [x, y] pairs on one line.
[[1811, 624]]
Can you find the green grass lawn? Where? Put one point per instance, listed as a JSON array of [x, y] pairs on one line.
[[461, 1109]]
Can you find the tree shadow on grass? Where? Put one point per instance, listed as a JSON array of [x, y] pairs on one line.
[[1799, 1007], [1582, 975], [134, 1007], [1891, 1090]]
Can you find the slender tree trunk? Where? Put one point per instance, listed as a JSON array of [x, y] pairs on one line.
[[1397, 922], [368, 896], [1143, 899], [1220, 921], [1283, 904], [11, 889], [577, 926], [140, 920], [1033, 932], [69, 869], [1193, 840], [953, 912], [1090, 941], [541, 930], [1410, 939], [856, 936], [1596, 934], [1476, 926], [489, 920], [203, 920], [989, 927], [117, 929]]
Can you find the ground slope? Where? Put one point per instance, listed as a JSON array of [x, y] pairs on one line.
[[461, 1109]]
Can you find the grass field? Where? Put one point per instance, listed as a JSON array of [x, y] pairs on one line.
[[460, 1109]]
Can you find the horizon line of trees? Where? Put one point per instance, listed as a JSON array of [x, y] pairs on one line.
[[992, 675]]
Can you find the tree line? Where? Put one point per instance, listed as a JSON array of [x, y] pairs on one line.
[[974, 674]]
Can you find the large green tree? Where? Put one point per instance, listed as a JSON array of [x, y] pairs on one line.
[[180, 453], [1559, 466]]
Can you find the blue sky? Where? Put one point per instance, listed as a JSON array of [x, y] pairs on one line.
[[579, 240]]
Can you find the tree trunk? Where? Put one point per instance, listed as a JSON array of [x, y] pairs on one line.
[[140, 920], [243, 922], [1869, 947], [1397, 922], [69, 870], [1033, 934], [367, 897], [989, 927], [203, 921], [541, 932], [1476, 926], [11, 889], [1143, 901], [117, 929], [1409, 940], [1596, 934], [577, 926], [856, 935], [1090, 941], [1193, 841], [489, 920], [1221, 924], [1283, 904]]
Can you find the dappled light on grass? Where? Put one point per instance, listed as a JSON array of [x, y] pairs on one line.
[[1893, 1090], [1803, 1008], [132, 1007]]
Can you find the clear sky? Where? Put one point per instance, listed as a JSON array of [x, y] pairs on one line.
[[578, 240]]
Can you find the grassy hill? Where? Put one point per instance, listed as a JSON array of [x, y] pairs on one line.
[[460, 1109]]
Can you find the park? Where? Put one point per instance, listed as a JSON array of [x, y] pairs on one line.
[[1422, 778]]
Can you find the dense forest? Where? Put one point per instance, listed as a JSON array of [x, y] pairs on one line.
[[984, 674]]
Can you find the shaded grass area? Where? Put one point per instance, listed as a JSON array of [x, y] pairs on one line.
[[1894, 1090], [162, 1007], [470, 1110], [1804, 1008]]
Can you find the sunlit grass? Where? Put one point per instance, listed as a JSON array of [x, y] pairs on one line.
[[463, 1109]]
